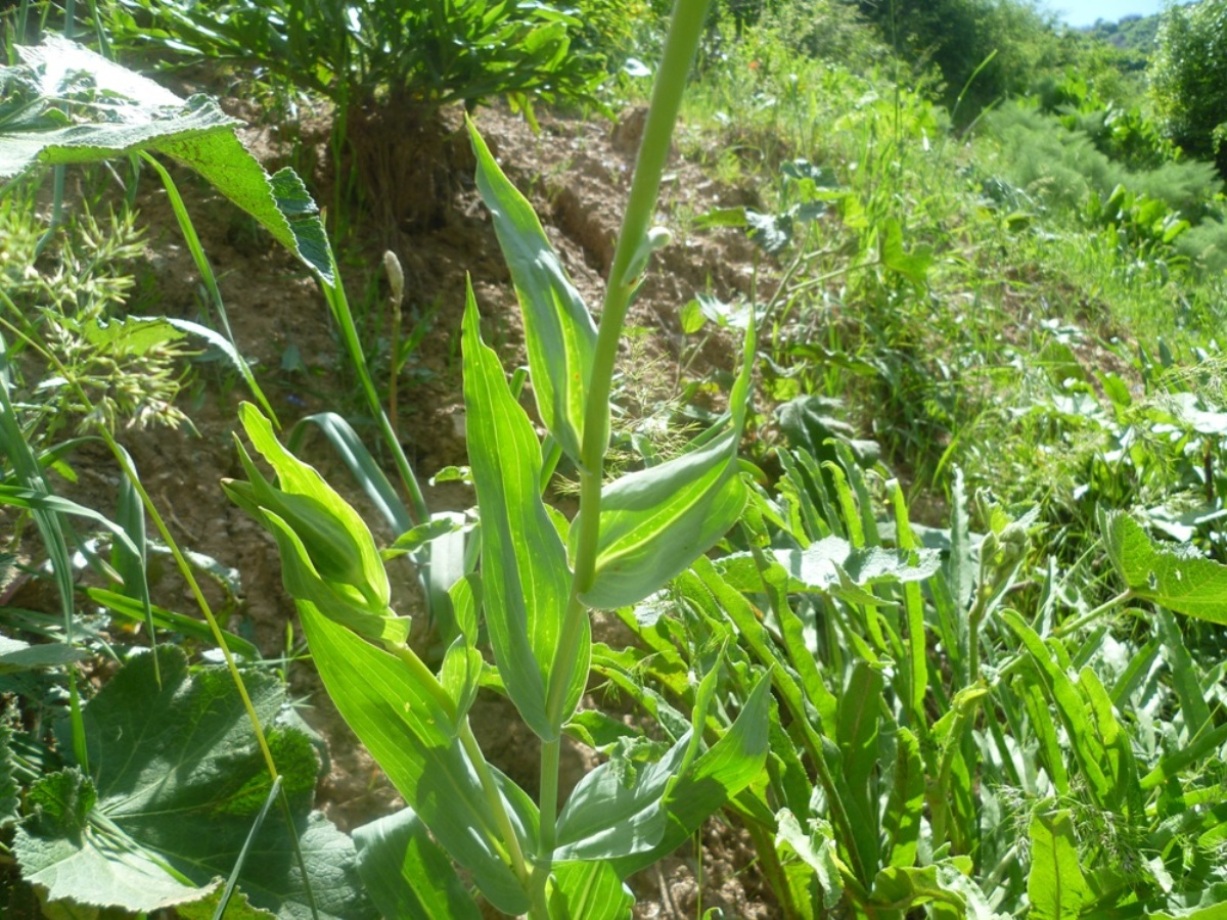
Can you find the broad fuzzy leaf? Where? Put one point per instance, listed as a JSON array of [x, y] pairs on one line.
[[141, 115], [407, 874], [237, 908], [830, 563], [166, 762], [525, 576], [1055, 884], [558, 330], [61, 852], [901, 888], [1189, 585]]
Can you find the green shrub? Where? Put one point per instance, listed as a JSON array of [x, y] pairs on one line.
[[1189, 78], [433, 52]]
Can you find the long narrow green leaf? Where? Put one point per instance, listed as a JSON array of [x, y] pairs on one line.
[[134, 610], [525, 577], [558, 330], [657, 521], [1118, 762], [1075, 716], [917, 669], [906, 805], [225, 344], [857, 737], [1193, 707], [358, 460], [393, 711]]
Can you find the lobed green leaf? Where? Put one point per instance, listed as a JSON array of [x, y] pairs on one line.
[[1186, 584]]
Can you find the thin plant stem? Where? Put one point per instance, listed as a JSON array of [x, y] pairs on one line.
[[681, 44], [1070, 626], [338, 303], [494, 800]]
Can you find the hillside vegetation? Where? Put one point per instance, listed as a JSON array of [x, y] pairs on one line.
[[762, 458]]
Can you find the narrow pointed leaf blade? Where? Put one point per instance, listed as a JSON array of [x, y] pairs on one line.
[[358, 460], [345, 542], [407, 874], [393, 712], [1072, 708], [525, 577], [857, 728], [558, 330], [656, 522], [906, 805]]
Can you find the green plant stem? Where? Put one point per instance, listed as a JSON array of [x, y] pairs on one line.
[[1070, 626], [494, 800], [680, 47], [682, 42], [338, 303]]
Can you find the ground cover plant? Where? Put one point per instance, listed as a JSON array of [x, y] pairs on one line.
[[918, 596]]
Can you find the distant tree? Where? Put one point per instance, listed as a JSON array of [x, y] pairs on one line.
[[1188, 79], [985, 49]]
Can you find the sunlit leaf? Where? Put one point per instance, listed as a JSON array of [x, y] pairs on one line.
[[525, 577], [558, 330], [1186, 584], [1055, 884]]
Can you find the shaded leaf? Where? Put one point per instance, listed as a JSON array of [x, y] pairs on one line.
[[407, 874], [16, 655], [166, 762]]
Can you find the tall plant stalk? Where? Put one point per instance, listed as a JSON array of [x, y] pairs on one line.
[[630, 255]]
